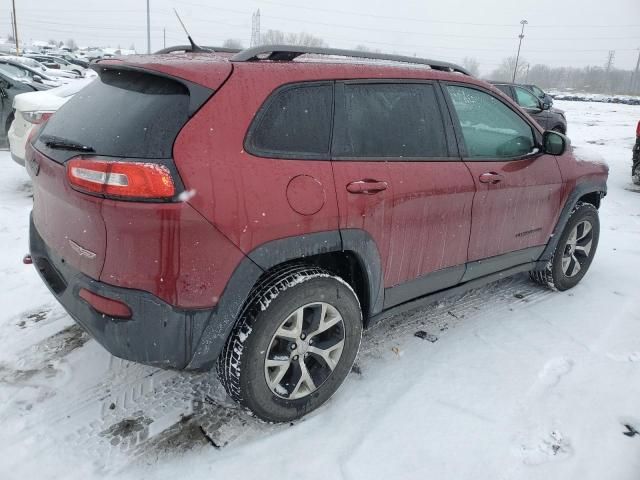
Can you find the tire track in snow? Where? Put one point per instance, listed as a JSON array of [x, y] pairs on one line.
[[137, 412]]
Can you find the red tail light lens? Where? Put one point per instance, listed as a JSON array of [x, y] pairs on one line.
[[120, 179], [36, 117], [638, 130]]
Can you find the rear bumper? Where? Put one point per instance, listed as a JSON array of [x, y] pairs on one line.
[[157, 333]]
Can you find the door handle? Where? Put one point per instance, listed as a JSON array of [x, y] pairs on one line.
[[367, 187], [491, 177]]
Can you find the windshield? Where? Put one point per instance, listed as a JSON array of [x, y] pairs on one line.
[[29, 62], [537, 91], [13, 71]]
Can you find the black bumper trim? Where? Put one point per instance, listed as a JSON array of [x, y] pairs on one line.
[[157, 334]]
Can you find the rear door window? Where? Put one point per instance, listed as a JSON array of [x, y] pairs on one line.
[[295, 122], [506, 89], [489, 127], [400, 120], [121, 114]]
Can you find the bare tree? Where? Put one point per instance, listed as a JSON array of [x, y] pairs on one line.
[[71, 43], [60, 44], [52, 42], [232, 43], [277, 37], [504, 73], [472, 65]]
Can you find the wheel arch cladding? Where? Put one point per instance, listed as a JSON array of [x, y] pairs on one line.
[[350, 253], [587, 192]]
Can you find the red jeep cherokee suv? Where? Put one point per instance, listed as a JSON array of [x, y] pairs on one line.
[[257, 211]]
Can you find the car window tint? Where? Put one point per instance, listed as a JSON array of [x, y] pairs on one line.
[[392, 120], [526, 99], [506, 89], [121, 114], [490, 128], [296, 122]]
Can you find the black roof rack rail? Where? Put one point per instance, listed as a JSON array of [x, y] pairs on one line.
[[290, 52], [188, 48]]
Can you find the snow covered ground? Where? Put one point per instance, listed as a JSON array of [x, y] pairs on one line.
[[511, 382]]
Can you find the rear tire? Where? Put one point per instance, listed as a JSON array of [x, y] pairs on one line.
[[635, 174], [574, 252], [293, 345]]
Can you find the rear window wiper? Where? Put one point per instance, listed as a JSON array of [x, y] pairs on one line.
[[60, 144]]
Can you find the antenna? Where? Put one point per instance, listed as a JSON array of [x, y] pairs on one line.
[[194, 47]]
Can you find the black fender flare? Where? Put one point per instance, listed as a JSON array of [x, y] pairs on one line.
[[266, 256], [579, 191]]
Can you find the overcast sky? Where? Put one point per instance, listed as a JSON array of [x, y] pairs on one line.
[[559, 32]]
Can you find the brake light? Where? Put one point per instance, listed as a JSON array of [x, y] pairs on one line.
[[120, 179], [638, 130], [36, 117]]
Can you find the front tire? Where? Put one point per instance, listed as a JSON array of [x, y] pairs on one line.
[[294, 344], [574, 252]]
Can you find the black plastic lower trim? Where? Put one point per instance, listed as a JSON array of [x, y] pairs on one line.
[[487, 266], [450, 292], [579, 191], [157, 333], [431, 282]]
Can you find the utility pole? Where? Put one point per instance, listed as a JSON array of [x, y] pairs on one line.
[[15, 28], [148, 29], [526, 78], [609, 65], [634, 77], [255, 28], [521, 36], [164, 38]]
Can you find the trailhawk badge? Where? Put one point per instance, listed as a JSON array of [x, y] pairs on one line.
[[83, 252]]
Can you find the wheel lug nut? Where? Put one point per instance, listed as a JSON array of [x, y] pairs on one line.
[[302, 336], [295, 357], [293, 346]]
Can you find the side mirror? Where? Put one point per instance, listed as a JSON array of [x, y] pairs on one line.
[[554, 143], [546, 106], [37, 78]]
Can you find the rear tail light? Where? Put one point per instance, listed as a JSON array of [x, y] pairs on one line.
[[36, 117], [104, 305], [638, 130], [132, 180]]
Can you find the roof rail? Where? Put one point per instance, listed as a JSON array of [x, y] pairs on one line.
[[188, 48], [290, 52]]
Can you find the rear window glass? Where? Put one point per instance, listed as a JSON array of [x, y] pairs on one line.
[[295, 122], [120, 114], [393, 121]]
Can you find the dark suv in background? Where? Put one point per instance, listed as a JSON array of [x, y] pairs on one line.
[[541, 94], [258, 211], [548, 117]]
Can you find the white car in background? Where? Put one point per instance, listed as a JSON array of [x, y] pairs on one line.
[[50, 72], [34, 108]]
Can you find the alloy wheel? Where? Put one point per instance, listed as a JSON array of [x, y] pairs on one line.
[[304, 350], [577, 249]]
